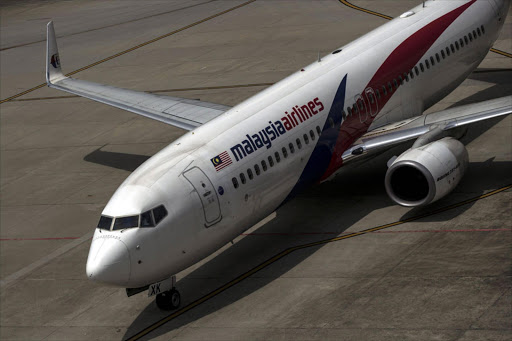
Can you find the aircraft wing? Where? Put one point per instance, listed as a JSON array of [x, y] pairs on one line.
[[431, 126], [183, 113]]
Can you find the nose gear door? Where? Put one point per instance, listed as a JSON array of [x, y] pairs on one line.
[[206, 193]]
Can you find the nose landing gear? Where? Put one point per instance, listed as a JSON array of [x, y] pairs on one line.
[[168, 300]]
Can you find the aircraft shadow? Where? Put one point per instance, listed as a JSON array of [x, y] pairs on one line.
[[124, 161]]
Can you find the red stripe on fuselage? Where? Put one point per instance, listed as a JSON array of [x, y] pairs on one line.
[[401, 60]]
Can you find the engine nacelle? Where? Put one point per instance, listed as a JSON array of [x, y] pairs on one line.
[[423, 175]]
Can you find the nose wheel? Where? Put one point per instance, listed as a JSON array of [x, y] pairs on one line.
[[168, 300]]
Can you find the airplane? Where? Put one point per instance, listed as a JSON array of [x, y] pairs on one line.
[[236, 165]]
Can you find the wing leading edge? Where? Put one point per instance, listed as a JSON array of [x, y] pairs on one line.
[[431, 126], [183, 113]]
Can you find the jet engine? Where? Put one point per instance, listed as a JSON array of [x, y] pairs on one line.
[[425, 174]]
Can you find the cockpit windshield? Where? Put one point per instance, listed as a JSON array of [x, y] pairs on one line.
[[105, 222], [149, 218], [126, 222]]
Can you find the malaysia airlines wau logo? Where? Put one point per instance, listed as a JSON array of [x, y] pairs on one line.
[[222, 160], [55, 60]]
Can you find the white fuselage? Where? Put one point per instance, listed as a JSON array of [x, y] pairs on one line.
[[208, 201]]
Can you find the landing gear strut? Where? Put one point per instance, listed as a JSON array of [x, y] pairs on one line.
[[168, 300]]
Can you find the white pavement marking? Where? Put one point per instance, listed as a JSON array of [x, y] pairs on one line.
[[43, 261]]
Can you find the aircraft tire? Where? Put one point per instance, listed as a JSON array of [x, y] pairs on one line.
[[168, 300]]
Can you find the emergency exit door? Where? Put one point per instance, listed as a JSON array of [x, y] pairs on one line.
[[207, 195]]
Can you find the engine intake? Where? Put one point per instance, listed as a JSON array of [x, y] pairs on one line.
[[423, 175]]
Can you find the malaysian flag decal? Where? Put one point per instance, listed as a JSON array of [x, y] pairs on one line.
[[222, 160]]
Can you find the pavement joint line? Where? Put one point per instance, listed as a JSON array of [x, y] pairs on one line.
[[289, 250], [236, 86], [387, 17], [133, 48], [44, 260]]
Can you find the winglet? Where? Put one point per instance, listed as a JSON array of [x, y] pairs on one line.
[[53, 70]]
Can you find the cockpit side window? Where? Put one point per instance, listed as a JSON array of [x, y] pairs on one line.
[[159, 213], [105, 223], [146, 219], [126, 222]]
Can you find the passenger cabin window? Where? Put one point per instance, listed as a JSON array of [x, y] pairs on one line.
[[417, 71], [146, 219], [257, 169], [159, 213], [292, 148], [452, 48], [389, 87], [427, 64], [285, 152], [271, 161], [105, 223], [422, 68], [126, 222], [377, 93], [249, 173], [306, 139], [438, 58], [312, 134], [319, 131], [235, 182], [406, 76], [432, 61], [461, 42], [466, 40], [470, 36], [483, 29], [442, 53], [278, 157], [242, 178], [264, 165], [395, 84], [478, 31], [299, 144], [384, 91]]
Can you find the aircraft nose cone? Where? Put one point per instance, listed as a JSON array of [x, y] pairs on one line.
[[108, 262]]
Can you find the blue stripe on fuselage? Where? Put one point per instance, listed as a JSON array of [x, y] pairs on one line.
[[322, 154]]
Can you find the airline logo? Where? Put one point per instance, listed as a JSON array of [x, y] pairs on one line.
[[55, 60], [263, 138], [221, 161]]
